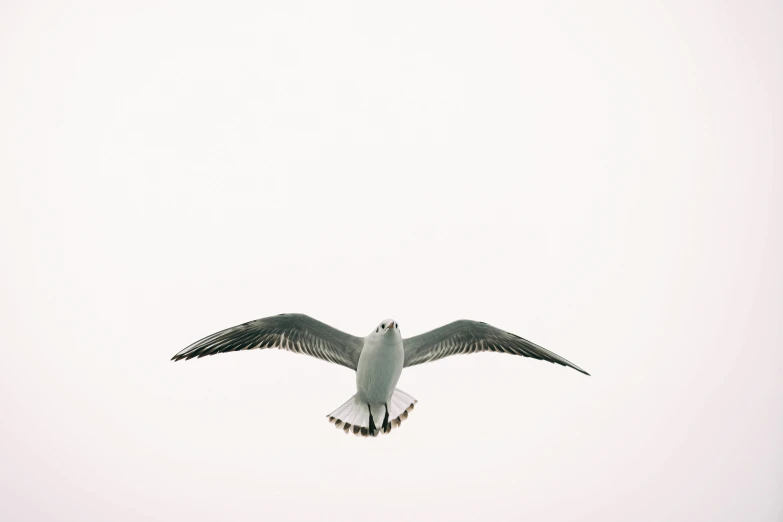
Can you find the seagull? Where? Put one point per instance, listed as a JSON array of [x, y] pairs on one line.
[[377, 359]]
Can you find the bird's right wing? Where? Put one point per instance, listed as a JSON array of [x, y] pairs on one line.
[[295, 332], [470, 337]]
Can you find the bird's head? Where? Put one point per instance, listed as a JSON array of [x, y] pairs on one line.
[[386, 326]]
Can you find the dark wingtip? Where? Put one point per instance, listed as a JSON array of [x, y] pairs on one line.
[[569, 364], [577, 368]]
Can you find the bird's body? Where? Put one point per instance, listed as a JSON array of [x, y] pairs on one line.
[[377, 373], [380, 366], [378, 358]]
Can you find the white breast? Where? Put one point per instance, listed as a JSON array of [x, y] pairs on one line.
[[379, 368]]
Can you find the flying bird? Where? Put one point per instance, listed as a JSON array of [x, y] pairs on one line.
[[378, 358]]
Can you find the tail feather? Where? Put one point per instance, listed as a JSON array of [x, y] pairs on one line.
[[354, 417]]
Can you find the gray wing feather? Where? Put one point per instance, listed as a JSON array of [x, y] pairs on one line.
[[472, 336], [294, 332]]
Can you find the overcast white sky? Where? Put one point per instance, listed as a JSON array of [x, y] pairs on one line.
[[602, 179]]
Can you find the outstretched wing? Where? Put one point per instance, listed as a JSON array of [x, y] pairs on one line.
[[472, 336], [295, 332]]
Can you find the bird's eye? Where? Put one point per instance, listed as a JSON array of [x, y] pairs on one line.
[[383, 325]]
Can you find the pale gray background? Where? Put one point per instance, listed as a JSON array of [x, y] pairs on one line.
[[602, 179]]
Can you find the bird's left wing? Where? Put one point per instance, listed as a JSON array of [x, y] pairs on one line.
[[472, 336], [295, 332]]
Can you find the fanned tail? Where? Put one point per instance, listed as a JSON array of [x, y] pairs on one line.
[[354, 416]]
